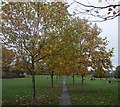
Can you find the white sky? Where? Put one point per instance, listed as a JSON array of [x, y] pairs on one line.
[[109, 29]]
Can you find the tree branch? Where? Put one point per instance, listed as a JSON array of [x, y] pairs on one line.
[[101, 7]]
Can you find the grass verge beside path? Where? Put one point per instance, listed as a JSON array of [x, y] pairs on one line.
[[93, 92], [0, 92], [18, 91]]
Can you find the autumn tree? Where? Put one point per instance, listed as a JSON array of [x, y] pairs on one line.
[[8, 57], [90, 49], [63, 63], [81, 31], [98, 56], [27, 29], [78, 53], [81, 47]]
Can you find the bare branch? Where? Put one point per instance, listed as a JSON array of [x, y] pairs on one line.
[[111, 11], [101, 7]]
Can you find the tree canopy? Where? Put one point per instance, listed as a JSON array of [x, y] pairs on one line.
[[27, 28], [8, 57]]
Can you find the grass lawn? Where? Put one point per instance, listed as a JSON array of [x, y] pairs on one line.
[[93, 92], [18, 91], [0, 91]]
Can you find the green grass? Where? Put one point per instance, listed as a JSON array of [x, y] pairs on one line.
[[18, 91], [0, 91], [93, 92]]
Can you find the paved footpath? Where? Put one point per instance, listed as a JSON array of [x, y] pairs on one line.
[[65, 98]]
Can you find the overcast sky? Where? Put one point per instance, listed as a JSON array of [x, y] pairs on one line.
[[109, 29]]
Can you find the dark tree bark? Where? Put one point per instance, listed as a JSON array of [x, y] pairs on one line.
[[73, 79], [52, 74], [82, 79], [33, 89], [33, 83]]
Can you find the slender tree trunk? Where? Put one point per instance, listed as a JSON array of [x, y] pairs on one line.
[[82, 79], [82, 83], [52, 77], [33, 89], [33, 83], [73, 79]]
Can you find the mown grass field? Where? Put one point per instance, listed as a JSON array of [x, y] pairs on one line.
[[0, 91], [93, 92], [18, 91]]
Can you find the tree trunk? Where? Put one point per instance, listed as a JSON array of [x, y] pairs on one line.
[[82, 83], [82, 79], [73, 79], [33, 83], [33, 89], [52, 77]]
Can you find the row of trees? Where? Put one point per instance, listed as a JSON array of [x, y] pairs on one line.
[[45, 36]]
